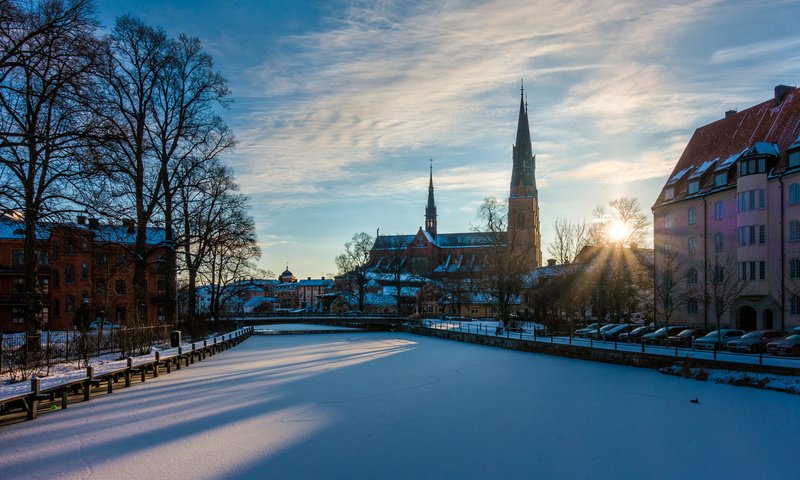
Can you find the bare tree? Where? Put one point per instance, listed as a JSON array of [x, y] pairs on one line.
[[185, 132], [569, 238], [49, 57], [723, 287], [670, 293], [502, 273], [622, 223], [354, 262]]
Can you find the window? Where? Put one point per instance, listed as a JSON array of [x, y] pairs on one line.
[[762, 234], [42, 257], [669, 193], [794, 159], [741, 271], [69, 247], [56, 248], [120, 261], [692, 216], [69, 274], [56, 279], [719, 273], [18, 286], [17, 257], [161, 288], [44, 286], [718, 241], [721, 179], [119, 287], [691, 306], [719, 210], [762, 199], [18, 315], [794, 194], [691, 276], [694, 186], [119, 314], [752, 200], [101, 286], [752, 270], [56, 308], [84, 271], [794, 231], [762, 270], [69, 303], [794, 268], [742, 234], [794, 308], [692, 246], [667, 221]]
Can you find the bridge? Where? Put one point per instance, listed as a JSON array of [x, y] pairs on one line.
[[368, 321]]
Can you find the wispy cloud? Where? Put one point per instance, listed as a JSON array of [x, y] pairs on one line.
[[778, 47]]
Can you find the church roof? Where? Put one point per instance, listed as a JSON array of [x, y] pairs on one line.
[[442, 240]]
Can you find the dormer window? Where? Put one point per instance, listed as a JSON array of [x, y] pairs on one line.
[[694, 186], [669, 193], [721, 179], [794, 159], [752, 166]]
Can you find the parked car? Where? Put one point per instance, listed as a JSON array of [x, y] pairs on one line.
[[660, 336], [685, 338], [755, 341], [587, 330], [785, 346], [717, 340], [636, 334], [598, 334], [103, 324], [613, 333]]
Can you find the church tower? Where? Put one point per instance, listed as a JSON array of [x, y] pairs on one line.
[[523, 200], [430, 209]]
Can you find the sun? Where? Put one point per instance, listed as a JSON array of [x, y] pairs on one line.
[[618, 231]]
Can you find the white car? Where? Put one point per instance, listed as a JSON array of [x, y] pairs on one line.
[[103, 325], [718, 339]]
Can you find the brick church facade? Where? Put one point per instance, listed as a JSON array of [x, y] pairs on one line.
[[448, 255]]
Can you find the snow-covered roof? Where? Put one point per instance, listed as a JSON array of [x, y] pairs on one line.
[[256, 301], [702, 168], [763, 148], [675, 178], [729, 161], [12, 230], [469, 239]]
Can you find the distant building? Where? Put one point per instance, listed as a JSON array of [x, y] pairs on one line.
[[80, 265], [443, 255], [735, 191]]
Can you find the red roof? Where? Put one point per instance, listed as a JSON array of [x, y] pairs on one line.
[[766, 122]]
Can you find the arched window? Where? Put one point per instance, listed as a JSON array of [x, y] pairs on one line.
[[692, 246], [718, 244], [84, 271], [794, 193]]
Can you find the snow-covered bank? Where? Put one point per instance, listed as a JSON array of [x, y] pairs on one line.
[[392, 405]]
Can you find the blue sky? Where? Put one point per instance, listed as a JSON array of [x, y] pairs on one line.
[[338, 105]]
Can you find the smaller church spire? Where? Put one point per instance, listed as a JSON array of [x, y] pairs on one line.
[[430, 208]]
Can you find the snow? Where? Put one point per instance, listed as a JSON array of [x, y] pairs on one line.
[[393, 405]]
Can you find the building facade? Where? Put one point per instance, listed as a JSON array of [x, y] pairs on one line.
[[731, 209], [448, 255], [83, 265]]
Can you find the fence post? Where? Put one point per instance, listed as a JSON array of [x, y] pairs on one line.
[[192, 354], [33, 399], [128, 372], [180, 354], [87, 384]]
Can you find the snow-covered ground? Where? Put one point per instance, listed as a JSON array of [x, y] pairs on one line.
[[393, 405]]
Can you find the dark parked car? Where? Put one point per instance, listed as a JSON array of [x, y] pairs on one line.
[[717, 341], [660, 336], [635, 335], [755, 341], [785, 346], [685, 338], [587, 330], [614, 332]]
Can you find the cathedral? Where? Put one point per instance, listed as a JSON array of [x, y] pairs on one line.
[[446, 255]]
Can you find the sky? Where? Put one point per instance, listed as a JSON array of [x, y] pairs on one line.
[[338, 106]]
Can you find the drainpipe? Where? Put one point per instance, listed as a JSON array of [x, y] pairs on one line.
[[705, 263], [655, 251], [782, 263]]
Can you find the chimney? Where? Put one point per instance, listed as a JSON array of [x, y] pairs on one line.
[[94, 223], [309, 278], [551, 262], [780, 92], [81, 220], [323, 278], [730, 113], [128, 224]]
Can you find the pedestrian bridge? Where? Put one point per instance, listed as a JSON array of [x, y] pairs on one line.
[[374, 321]]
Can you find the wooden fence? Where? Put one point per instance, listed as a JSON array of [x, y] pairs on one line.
[[52, 392]]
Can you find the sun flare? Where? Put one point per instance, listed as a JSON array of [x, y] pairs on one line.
[[618, 231]]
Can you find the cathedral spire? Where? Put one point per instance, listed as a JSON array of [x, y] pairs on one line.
[[524, 162], [430, 209]]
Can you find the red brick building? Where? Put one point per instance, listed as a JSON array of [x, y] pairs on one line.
[[81, 263]]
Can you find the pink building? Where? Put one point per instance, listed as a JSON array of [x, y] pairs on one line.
[[735, 194]]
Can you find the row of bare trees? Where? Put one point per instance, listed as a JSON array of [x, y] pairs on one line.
[[125, 127]]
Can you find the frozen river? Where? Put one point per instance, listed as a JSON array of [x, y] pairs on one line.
[[390, 405]]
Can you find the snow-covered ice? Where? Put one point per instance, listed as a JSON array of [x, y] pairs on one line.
[[393, 405]]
